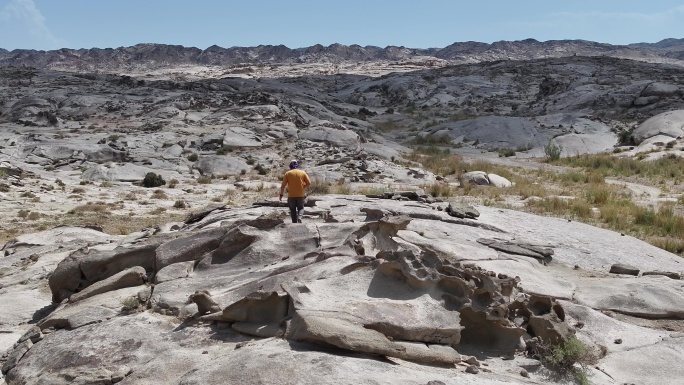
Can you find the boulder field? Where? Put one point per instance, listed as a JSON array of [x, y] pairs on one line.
[[366, 290]]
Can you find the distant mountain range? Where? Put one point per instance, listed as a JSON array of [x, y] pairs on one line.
[[161, 55]]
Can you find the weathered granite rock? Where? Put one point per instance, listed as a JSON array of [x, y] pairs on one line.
[[621, 268], [669, 274], [476, 177], [462, 211], [134, 276]]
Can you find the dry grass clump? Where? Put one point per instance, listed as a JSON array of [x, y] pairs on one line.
[[562, 207], [319, 187], [159, 194], [204, 179], [670, 166], [92, 208], [439, 189]]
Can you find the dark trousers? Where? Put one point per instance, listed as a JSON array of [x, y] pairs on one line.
[[296, 206]]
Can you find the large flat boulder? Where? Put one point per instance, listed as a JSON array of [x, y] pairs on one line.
[[669, 123]]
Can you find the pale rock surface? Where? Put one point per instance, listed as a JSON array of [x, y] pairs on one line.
[[333, 136], [396, 280], [669, 123]]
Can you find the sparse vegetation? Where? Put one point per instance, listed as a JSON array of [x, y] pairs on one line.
[[553, 151], [261, 169], [580, 194], [159, 194], [567, 358], [439, 189], [193, 157], [179, 204], [319, 187]]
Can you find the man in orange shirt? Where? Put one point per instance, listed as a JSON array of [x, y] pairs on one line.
[[296, 181]]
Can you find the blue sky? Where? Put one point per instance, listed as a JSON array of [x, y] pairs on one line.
[[51, 24]]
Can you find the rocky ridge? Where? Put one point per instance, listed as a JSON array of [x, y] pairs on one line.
[[152, 56]]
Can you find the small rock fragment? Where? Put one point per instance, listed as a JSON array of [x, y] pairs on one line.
[[621, 268], [472, 369], [524, 373]]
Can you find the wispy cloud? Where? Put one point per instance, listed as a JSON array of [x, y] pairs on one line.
[[26, 13]]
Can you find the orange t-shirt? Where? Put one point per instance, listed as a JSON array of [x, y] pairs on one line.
[[295, 180]]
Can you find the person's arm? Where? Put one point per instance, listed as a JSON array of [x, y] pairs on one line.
[[307, 181], [282, 187]]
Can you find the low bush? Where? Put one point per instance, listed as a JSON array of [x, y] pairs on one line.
[[553, 151], [567, 358], [319, 187], [159, 194], [153, 180]]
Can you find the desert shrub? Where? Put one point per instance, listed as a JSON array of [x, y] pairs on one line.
[[553, 151], [159, 194], [431, 139], [261, 169], [567, 358], [223, 150], [577, 208], [173, 183], [78, 190], [23, 213], [439, 190], [106, 184], [250, 161], [153, 180], [319, 187], [33, 216], [626, 138], [506, 152], [193, 157], [204, 179], [179, 204], [91, 207]]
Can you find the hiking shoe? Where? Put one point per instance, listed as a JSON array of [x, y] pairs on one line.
[[299, 221]]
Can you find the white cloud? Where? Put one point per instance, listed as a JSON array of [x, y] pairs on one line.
[[25, 13]]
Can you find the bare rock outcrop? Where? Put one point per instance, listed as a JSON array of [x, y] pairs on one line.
[[395, 279]]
